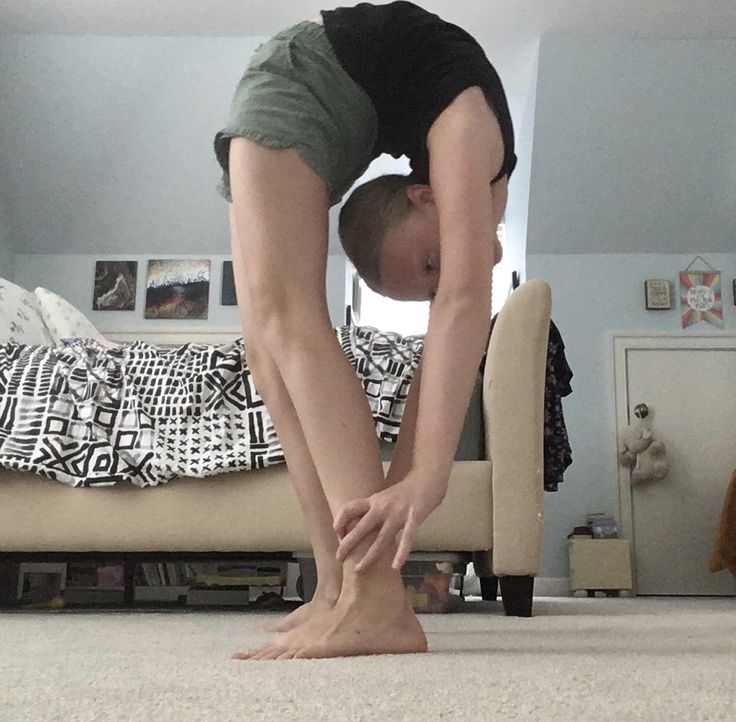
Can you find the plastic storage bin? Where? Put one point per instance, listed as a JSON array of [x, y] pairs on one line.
[[433, 582]]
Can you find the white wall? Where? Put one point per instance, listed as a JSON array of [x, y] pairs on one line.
[[595, 296], [72, 276]]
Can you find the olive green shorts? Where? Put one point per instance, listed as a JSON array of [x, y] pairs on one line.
[[296, 94]]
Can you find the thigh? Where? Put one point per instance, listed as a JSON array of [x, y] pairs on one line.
[[242, 291], [280, 235]]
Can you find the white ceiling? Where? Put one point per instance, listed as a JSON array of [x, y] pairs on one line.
[[484, 18]]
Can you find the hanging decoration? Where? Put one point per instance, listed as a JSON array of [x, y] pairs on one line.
[[700, 295]]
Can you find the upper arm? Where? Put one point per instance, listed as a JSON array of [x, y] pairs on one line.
[[466, 150]]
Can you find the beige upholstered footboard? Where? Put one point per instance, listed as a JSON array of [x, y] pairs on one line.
[[241, 511], [513, 402]]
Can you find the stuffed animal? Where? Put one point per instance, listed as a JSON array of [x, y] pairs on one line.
[[639, 450]]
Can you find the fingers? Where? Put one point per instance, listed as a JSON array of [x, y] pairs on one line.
[[355, 508], [405, 543], [353, 538], [385, 536]]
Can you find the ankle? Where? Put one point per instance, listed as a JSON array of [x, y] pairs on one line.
[[329, 593], [378, 582]]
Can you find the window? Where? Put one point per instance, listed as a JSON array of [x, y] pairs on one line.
[[407, 318], [410, 317]]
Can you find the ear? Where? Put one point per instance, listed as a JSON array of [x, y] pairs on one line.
[[419, 194]]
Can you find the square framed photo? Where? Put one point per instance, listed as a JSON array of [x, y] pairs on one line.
[[115, 286], [178, 289], [658, 294]]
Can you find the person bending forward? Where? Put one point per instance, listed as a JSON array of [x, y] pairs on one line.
[[317, 103]]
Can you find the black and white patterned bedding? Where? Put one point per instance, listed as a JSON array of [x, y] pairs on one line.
[[86, 415]]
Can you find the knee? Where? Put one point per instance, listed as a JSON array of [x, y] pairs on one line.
[[257, 358]]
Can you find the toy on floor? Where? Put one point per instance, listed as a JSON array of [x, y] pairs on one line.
[[54, 603], [638, 449]]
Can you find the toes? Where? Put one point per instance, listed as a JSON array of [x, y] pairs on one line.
[[251, 653], [270, 652], [245, 655], [274, 653], [286, 655]]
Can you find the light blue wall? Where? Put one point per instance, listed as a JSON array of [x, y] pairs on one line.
[[633, 174], [595, 296], [106, 143], [7, 256], [634, 146]]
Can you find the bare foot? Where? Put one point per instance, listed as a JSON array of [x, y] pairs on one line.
[[318, 605], [313, 627], [352, 627]]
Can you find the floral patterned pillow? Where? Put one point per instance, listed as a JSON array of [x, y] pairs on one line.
[[64, 320], [20, 317]]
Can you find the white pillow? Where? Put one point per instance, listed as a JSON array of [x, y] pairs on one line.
[[64, 320], [20, 317]]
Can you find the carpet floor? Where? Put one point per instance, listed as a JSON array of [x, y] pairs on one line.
[[601, 659]]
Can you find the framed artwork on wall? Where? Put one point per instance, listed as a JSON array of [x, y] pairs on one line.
[[657, 294], [115, 284], [178, 289], [228, 296], [700, 295]]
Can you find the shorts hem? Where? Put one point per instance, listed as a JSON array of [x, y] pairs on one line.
[[269, 141]]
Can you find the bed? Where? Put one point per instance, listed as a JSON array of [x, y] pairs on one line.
[[492, 511]]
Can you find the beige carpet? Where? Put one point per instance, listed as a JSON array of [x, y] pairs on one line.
[[597, 659]]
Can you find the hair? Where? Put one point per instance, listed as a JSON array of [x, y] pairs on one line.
[[368, 214]]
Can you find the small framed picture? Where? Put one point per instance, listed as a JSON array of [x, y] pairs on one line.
[[115, 286], [227, 289], [657, 293]]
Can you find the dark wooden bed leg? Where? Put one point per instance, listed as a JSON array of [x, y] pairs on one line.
[[517, 594], [483, 566], [489, 588]]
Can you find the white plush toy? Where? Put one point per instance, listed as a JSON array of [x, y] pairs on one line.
[[639, 450]]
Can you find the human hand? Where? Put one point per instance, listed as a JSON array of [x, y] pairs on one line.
[[403, 506]]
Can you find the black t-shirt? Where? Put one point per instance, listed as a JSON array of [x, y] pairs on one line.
[[412, 64]]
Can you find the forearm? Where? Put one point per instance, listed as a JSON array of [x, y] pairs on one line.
[[454, 345], [402, 458]]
